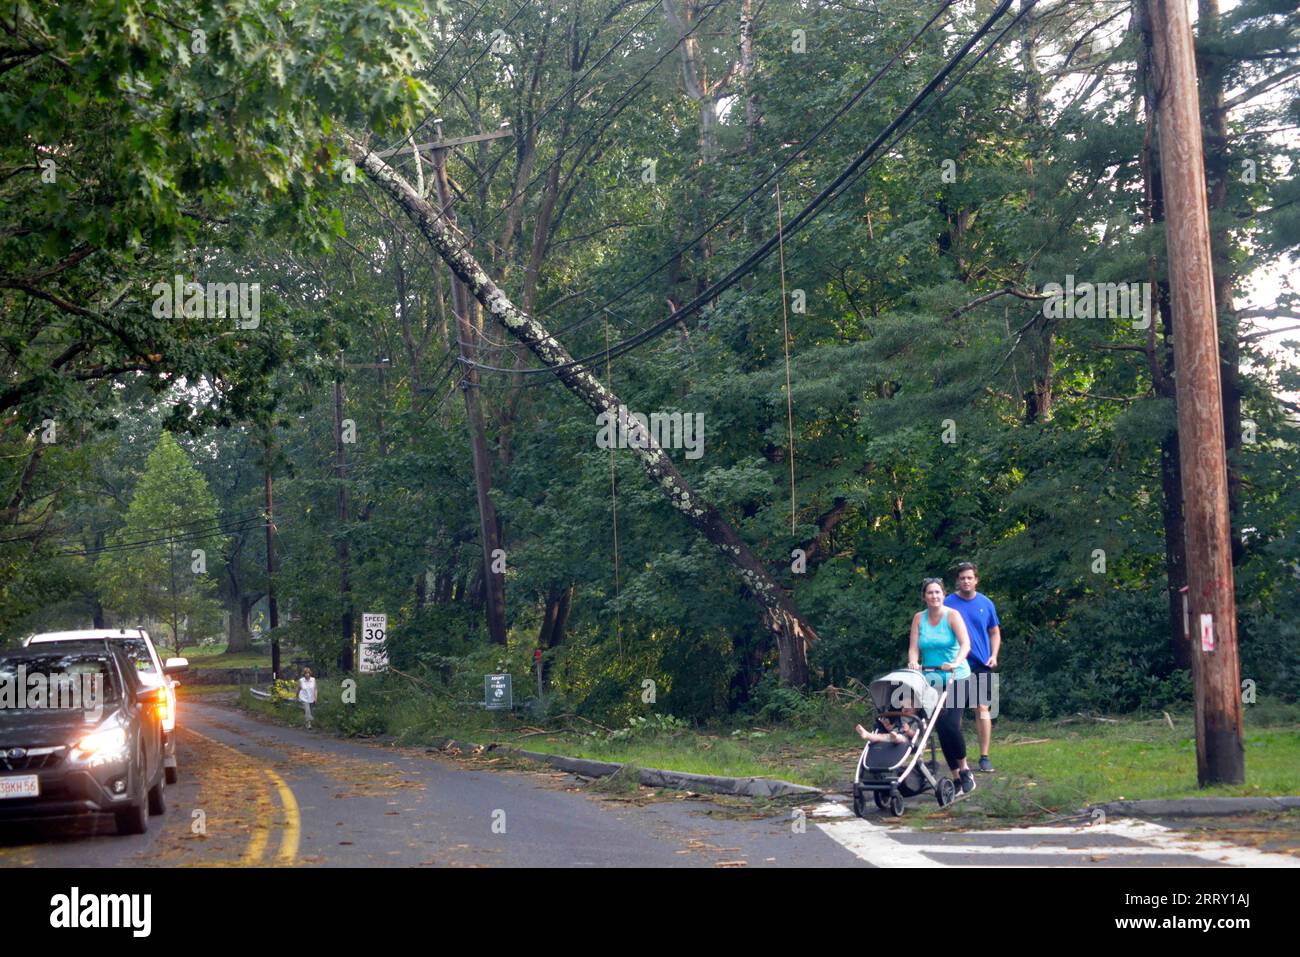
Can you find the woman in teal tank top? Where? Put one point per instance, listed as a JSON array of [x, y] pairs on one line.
[[939, 644]]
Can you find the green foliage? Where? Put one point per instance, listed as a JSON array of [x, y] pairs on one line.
[[150, 570], [644, 727], [225, 164], [772, 702]]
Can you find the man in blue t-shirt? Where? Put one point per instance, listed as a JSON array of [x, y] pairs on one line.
[[985, 631]]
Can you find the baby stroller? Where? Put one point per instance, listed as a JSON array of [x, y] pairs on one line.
[[890, 772]]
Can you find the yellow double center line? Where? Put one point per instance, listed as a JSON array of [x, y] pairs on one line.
[[292, 831]]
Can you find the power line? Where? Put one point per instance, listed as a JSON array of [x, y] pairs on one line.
[[216, 531], [802, 218], [630, 93], [234, 516], [834, 190], [479, 233], [633, 89], [803, 147], [486, 50], [460, 34], [601, 59], [852, 101], [560, 99], [925, 110], [979, 57], [452, 89]]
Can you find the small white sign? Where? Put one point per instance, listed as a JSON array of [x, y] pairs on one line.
[[1207, 633], [374, 635]]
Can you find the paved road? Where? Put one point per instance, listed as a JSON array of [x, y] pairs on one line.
[[254, 794], [269, 795]]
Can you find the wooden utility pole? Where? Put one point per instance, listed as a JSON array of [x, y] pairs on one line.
[[345, 585], [340, 465], [494, 591], [1211, 602], [270, 576]]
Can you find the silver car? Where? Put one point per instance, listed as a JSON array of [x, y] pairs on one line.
[[149, 667]]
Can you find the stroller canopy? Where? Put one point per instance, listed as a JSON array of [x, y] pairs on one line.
[[904, 689]]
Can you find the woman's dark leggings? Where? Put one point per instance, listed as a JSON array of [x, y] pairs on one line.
[[948, 726]]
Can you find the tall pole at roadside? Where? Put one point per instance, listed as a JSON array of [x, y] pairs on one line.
[[345, 585], [270, 576], [1211, 602]]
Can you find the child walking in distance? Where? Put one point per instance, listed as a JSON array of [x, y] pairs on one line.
[[307, 693]]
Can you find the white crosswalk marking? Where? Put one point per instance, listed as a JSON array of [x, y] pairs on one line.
[[871, 842], [1125, 839]]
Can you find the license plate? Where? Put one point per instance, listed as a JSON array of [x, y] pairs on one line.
[[20, 786]]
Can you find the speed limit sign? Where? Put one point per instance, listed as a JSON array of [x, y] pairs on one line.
[[374, 634]]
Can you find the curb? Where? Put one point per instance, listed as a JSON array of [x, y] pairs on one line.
[[651, 777], [1198, 807]]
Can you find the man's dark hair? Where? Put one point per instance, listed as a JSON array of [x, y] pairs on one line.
[[962, 566]]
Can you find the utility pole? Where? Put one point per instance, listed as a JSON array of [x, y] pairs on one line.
[[1211, 601], [340, 465], [493, 582], [345, 585], [270, 573]]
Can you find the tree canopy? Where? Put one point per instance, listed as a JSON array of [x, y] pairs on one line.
[[968, 376]]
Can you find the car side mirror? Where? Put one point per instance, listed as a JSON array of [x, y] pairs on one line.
[[174, 666], [146, 695]]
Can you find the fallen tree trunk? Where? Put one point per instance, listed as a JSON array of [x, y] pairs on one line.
[[791, 631]]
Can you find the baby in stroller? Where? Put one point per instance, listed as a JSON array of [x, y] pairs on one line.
[[887, 733], [892, 764]]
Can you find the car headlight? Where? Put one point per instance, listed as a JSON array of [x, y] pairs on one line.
[[106, 745]]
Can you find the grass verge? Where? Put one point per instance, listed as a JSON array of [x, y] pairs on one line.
[[215, 656], [1045, 769]]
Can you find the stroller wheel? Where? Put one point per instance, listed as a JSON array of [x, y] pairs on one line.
[[882, 799], [896, 805], [859, 803], [946, 792]]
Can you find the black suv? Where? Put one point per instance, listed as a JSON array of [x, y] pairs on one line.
[[79, 732]]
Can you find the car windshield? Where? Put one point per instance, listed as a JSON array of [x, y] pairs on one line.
[[137, 652], [67, 681]]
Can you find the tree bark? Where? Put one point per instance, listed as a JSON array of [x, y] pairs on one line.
[[747, 70], [494, 592], [696, 80], [1211, 599], [779, 614], [1161, 361], [554, 621]]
